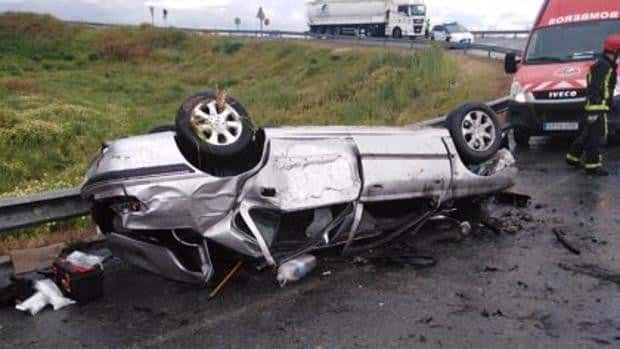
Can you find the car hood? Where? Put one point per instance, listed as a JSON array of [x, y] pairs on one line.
[[461, 36], [557, 76]]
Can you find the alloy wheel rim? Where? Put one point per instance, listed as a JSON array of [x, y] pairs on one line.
[[216, 127], [478, 130]]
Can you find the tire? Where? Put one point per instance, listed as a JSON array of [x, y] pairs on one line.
[[205, 132], [476, 131], [522, 138], [162, 128], [397, 33]]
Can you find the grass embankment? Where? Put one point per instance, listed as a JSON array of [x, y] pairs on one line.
[[64, 89]]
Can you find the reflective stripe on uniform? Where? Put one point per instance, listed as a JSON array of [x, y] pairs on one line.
[[607, 81], [570, 157], [604, 106], [597, 107], [594, 166]]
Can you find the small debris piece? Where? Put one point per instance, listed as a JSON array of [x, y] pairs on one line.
[[593, 271], [559, 234], [220, 101], [228, 276], [426, 320], [515, 199], [327, 273], [47, 293], [599, 341], [522, 284], [296, 269], [491, 269]]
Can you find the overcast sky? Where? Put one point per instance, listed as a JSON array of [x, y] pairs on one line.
[[284, 14]]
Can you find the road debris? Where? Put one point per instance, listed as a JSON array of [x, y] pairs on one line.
[[559, 234], [79, 275], [47, 294], [491, 269], [415, 261], [593, 271], [515, 199], [296, 269], [228, 276]]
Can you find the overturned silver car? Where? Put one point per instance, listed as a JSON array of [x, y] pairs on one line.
[[166, 200]]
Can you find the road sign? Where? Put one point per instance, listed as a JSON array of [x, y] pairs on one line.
[[152, 10]]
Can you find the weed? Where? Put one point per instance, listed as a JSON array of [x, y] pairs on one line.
[[227, 47], [126, 44], [19, 85]]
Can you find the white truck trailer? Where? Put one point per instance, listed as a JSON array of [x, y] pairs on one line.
[[395, 18]]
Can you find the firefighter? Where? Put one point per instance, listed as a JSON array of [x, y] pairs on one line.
[[602, 79]]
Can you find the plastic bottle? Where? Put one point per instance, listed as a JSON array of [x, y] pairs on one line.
[[296, 269]]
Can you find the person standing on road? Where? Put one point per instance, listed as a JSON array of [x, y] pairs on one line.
[[602, 81]]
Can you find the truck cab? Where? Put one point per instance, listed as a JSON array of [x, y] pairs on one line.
[[392, 18], [548, 92], [407, 20]]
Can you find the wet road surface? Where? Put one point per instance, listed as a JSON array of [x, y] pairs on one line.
[[520, 288]]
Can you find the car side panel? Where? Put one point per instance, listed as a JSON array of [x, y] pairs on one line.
[[306, 174], [405, 166]]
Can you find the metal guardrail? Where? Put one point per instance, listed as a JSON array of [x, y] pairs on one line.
[[53, 206], [375, 41], [514, 33], [41, 208]]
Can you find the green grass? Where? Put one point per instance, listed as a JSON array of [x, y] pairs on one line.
[[65, 89]]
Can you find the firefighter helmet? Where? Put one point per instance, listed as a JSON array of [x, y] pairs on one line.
[[612, 43]]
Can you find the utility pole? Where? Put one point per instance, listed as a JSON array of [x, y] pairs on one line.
[[152, 10], [165, 17]]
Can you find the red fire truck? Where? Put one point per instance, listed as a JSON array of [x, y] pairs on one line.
[[548, 93]]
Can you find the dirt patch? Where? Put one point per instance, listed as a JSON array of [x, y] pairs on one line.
[[19, 85], [67, 236], [474, 66]]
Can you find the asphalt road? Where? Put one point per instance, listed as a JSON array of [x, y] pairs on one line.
[[516, 289]]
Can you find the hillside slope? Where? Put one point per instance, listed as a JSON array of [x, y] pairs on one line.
[[64, 89]]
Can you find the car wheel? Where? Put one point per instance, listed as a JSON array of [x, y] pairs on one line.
[[476, 132], [221, 132], [397, 33], [522, 138]]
